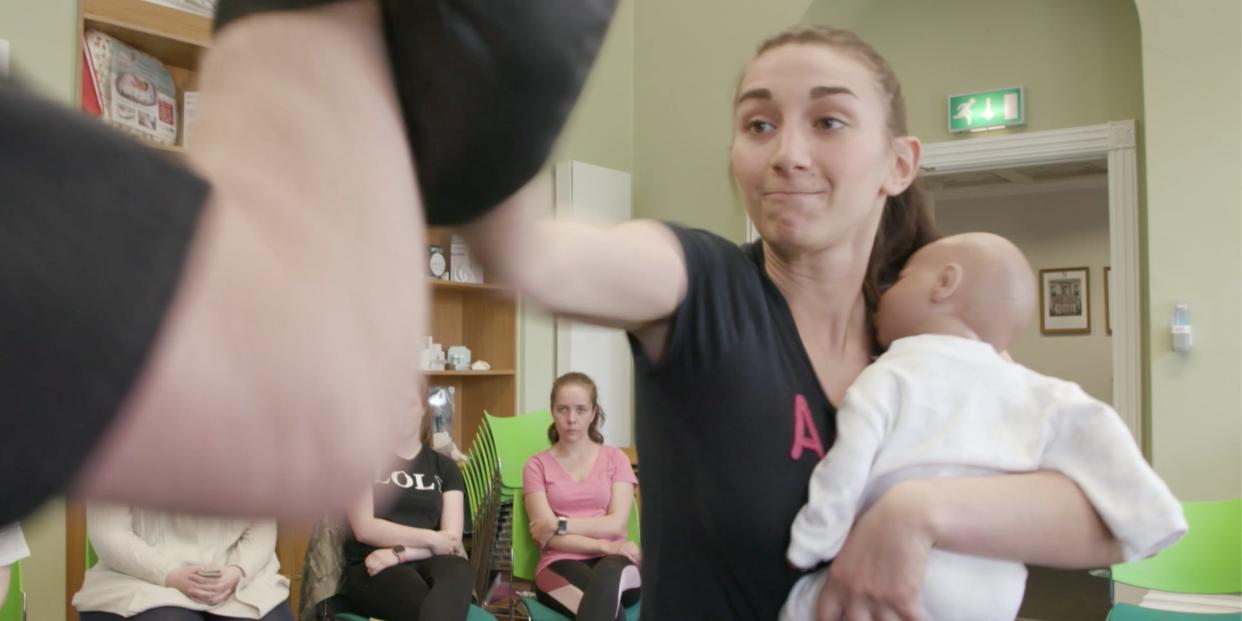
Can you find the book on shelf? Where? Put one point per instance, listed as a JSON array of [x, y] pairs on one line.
[[189, 115], [135, 91], [91, 104]]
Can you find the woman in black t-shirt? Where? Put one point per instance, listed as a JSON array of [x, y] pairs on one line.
[[741, 353], [404, 560]]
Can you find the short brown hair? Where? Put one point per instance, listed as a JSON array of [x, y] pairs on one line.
[[581, 379]]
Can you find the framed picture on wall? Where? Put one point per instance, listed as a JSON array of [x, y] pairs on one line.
[[1108, 310], [1065, 301]]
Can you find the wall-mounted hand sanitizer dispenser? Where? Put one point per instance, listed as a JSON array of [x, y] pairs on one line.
[[1180, 325]]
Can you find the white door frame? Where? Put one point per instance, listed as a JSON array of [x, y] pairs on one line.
[[1112, 141]]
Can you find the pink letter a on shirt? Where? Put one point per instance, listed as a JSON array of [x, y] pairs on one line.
[[805, 434]]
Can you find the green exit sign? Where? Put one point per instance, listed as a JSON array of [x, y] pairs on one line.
[[987, 110]]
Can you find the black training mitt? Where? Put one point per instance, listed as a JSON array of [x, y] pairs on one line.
[[485, 87]]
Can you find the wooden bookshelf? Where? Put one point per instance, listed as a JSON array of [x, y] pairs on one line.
[[177, 38], [483, 317]]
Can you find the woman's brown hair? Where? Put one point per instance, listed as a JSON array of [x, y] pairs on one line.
[[581, 379], [906, 224]]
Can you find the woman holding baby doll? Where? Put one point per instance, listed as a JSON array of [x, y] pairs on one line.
[[579, 495], [159, 566], [741, 353]]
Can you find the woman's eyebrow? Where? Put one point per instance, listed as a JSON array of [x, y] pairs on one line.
[[825, 91], [755, 93]]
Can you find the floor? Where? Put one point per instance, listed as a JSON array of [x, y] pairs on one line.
[[1064, 595]]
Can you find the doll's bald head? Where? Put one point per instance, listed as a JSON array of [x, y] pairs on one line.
[[977, 285]]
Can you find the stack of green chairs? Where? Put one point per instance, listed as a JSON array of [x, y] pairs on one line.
[[14, 608], [482, 476], [526, 558], [1207, 560]]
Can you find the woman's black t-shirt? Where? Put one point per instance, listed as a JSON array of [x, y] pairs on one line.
[[419, 498], [730, 424]]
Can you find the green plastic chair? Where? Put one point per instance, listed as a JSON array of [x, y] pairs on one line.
[[516, 439], [14, 608], [1207, 560], [526, 558]]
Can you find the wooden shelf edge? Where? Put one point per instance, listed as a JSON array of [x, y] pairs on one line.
[[150, 18], [489, 373], [168, 148], [94, 18], [466, 286]]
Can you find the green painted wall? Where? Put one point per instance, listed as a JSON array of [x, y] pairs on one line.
[[42, 34], [1192, 60], [601, 132], [1078, 60], [688, 57]]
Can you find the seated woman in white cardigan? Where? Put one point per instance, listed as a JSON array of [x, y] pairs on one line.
[[157, 566]]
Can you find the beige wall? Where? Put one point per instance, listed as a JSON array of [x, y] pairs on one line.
[[688, 56], [1078, 60], [1192, 62], [42, 35], [1054, 230], [601, 132]]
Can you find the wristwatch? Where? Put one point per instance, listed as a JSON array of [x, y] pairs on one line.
[[562, 525], [397, 550]]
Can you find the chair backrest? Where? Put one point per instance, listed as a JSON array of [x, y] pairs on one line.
[[526, 551], [15, 602], [1208, 559], [479, 469], [517, 438]]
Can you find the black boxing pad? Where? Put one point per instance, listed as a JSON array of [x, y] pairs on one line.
[[485, 87]]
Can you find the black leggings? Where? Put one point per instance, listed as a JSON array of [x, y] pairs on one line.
[[173, 613], [597, 589], [434, 589]]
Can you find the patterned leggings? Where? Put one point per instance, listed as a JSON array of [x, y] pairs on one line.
[[597, 589]]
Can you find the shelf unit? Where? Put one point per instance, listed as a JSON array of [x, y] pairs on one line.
[[177, 38], [483, 317]]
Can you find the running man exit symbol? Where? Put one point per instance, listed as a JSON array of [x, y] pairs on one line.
[[987, 110]]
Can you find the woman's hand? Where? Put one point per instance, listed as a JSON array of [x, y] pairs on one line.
[[217, 589], [442, 544], [630, 550], [379, 560], [543, 530], [879, 572], [187, 580], [455, 539], [627, 549]]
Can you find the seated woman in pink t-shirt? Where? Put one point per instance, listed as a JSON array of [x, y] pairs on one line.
[[579, 495]]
